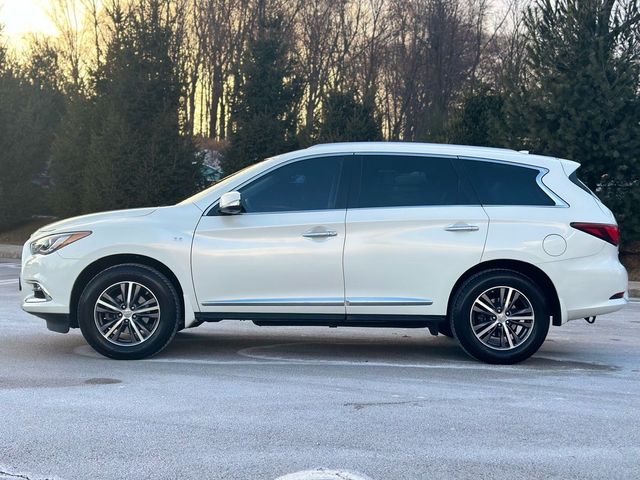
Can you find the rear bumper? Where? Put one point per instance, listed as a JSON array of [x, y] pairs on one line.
[[594, 310], [585, 285]]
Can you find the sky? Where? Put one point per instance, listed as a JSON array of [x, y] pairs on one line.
[[21, 17]]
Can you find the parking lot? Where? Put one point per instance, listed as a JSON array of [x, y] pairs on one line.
[[237, 401]]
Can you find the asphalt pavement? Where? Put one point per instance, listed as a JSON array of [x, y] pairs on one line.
[[236, 401]]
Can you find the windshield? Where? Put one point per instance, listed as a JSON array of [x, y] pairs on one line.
[[200, 195]]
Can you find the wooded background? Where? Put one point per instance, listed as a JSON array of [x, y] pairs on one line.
[[111, 112]]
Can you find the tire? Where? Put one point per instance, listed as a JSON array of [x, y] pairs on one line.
[[491, 334], [125, 334]]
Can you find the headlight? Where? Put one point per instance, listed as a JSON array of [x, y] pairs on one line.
[[51, 243]]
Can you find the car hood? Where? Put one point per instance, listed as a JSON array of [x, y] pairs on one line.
[[86, 221]]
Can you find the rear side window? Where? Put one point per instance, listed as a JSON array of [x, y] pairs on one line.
[[404, 181], [576, 181], [503, 184]]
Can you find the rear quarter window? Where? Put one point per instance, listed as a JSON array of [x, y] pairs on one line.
[[503, 184], [576, 181]]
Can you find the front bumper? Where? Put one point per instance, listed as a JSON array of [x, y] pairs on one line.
[[56, 322], [46, 283]]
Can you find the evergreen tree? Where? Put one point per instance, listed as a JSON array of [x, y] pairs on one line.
[[30, 107], [137, 154], [69, 155], [480, 120], [582, 101], [347, 119], [265, 117]]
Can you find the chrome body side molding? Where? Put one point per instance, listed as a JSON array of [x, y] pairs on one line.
[[319, 302], [277, 302], [387, 301]]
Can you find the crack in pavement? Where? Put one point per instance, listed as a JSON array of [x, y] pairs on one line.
[[5, 475], [12, 475], [361, 405]]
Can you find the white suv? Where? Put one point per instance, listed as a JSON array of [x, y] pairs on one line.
[[489, 246]]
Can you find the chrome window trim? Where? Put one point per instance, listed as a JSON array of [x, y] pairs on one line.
[[542, 171], [207, 211]]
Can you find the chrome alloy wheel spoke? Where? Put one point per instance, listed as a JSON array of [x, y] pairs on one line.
[[502, 318], [127, 313]]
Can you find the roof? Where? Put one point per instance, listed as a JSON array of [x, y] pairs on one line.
[[436, 149]]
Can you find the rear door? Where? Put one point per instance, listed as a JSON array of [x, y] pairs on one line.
[[413, 227]]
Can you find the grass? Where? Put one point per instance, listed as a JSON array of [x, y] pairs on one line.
[[19, 235]]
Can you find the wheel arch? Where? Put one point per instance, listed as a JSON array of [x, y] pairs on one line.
[[528, 269], [101, 264]]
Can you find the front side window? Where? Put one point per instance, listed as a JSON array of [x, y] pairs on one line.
[[310, 184], [505, 184], [405, 180]]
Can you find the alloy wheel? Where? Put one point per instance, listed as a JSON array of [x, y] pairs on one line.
[[127, 313], [502, 318]]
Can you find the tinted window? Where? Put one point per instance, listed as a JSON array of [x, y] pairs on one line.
[[576, 181], [399, 181], [503, 184], [303, 185]]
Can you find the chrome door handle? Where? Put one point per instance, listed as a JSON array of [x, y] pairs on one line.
[[462, 227], [320, 234]]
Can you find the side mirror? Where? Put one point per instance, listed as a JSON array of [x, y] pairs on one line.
[[230, 203]]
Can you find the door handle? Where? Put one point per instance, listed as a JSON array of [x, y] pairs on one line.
[[462, 227], [320, 234]]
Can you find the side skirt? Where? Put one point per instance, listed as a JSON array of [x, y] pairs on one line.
[[329, 320]]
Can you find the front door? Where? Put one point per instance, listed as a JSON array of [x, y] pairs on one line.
[[283, 254]]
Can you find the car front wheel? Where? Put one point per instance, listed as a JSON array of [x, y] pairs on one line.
[[129, 311], [500, 316]]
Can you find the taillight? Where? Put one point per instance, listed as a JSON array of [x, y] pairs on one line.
[[603, 231]]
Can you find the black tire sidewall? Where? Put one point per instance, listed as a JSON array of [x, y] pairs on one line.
[[151, 279], [463, 304]]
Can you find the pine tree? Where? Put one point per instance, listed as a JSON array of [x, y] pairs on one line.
[[480, 120], [345, 118], [30, 107], [265, 117], [69, 156], [137, 154], [582, 101]]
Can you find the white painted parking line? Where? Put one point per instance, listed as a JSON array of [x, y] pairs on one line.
[[10, 281], [322, 474], [274, 360]]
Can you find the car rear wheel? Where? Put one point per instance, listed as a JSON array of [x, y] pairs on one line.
[[500, 316], [129, 311]]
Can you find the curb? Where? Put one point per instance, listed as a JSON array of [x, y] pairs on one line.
[[10, 251]]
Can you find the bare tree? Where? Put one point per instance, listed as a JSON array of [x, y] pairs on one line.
[[318, 37], [67, 16]]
